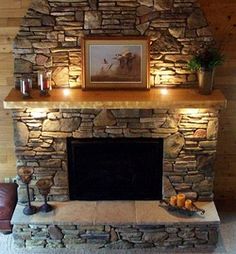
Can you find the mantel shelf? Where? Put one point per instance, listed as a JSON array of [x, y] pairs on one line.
[[175, 98]]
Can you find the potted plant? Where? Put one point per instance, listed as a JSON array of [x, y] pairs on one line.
[[204, 62]]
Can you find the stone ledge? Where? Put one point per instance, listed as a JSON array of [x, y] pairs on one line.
[[114, 213], [175, 98]]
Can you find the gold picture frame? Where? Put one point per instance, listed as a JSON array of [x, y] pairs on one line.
[[115, 62]]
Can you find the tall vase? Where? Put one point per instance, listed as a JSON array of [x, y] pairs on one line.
[[206, 80]]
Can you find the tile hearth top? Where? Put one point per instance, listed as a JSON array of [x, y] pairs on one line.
[[126, 99], [114, 212]]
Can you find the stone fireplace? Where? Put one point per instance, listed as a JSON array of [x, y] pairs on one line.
[[185, 122], [189, 144]]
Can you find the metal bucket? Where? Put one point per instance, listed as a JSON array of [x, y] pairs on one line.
[[206, 81]]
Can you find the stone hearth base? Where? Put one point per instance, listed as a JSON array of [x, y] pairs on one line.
[[115, 225]]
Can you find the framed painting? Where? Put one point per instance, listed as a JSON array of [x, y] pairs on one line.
[[115, 63]]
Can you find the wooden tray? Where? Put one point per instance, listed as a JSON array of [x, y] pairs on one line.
[[181, 210]]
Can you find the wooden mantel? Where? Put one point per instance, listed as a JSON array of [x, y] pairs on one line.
[[154, 98]]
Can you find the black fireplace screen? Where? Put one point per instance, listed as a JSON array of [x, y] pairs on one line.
[[115, 168]]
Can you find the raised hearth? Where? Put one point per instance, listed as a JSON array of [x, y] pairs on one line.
[[116, 225]]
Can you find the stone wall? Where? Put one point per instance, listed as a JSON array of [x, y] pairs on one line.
[[190, 137], [79, 237], [50, 36]]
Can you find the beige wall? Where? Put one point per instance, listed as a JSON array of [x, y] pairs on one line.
[[221, 17]]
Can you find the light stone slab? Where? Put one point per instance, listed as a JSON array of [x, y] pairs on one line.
[[64, 213], [114, 212], [149, 212]]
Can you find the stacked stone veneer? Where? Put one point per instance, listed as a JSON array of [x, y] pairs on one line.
[[189, 144], [116, 237], [50, 36]]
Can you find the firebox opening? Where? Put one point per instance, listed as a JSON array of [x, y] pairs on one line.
[[115, 168]]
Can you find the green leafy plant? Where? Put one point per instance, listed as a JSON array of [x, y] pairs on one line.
[[206, 59]]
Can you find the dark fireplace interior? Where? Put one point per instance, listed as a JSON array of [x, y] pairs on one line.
[[115, 168]]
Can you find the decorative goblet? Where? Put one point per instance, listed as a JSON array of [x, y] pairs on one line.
[[44, 186], [25, 175]]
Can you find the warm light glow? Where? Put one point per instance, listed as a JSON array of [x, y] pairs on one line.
[[165, 79], [66, 92], [38, 112], [190, 111], [164, 91]]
